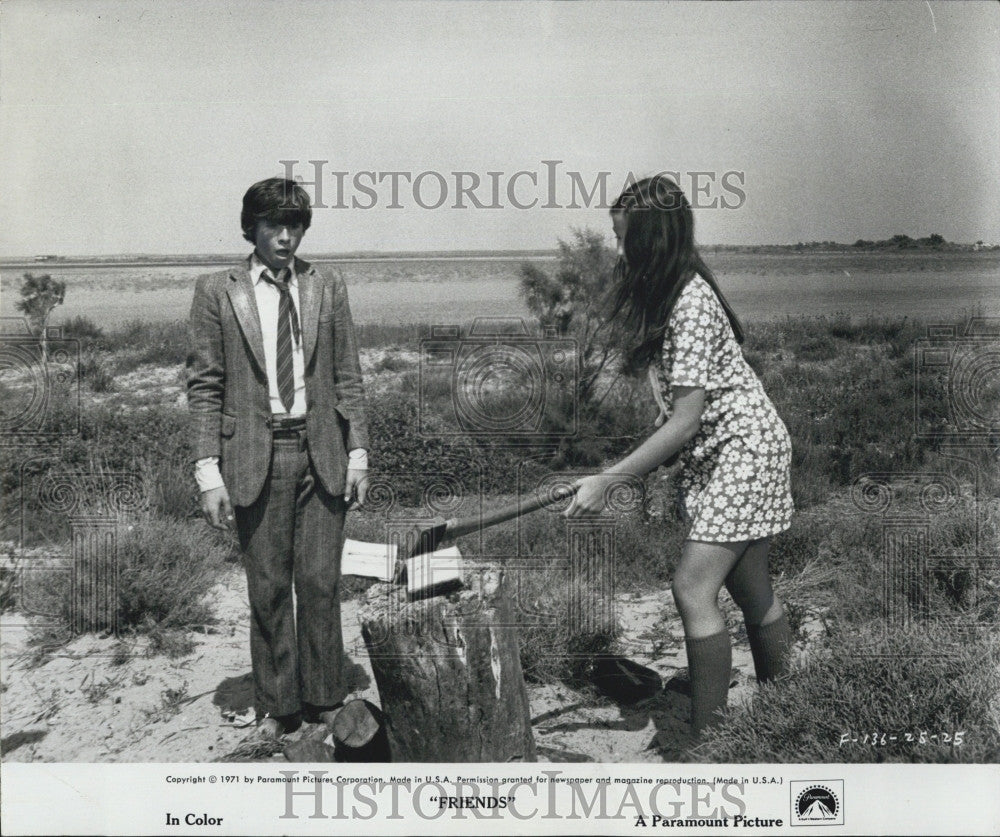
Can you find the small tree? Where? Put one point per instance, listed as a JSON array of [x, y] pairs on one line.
[[575, 302], [40, 294]]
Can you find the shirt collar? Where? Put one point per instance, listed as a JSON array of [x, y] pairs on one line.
[[257, 268]]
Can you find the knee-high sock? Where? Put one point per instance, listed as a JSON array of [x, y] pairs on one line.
[[770, 645], [710, 663]]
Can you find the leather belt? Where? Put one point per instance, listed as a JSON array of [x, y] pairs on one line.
[[286, 426]]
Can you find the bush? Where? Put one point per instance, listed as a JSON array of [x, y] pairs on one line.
[[816, 348], [173, 492], [138, 342], [558, 637], [400, 448], [93, 370], [797, 546], [380, 335], [869, 683], [391, 362], [90, 335], [165, 571]]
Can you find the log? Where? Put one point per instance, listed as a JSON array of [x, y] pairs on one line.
[[359, 733], [310, 751], [449, 675]]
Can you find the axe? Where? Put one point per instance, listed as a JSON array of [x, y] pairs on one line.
[[430, 538], [439, 570]]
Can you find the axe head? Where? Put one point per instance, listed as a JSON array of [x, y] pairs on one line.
[[426, 539], [421, 540]]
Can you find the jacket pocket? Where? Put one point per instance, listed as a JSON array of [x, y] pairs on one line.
[[228, 426]]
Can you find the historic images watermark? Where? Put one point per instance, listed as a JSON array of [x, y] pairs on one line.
[[546, 186], [542, 795], [956, 406]]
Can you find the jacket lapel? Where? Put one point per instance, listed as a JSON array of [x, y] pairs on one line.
[[310, 297], [245, 306]]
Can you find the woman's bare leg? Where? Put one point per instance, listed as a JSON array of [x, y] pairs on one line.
[[699, 577], [749, 583]]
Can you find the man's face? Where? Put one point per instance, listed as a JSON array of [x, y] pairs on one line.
[[276, 243]]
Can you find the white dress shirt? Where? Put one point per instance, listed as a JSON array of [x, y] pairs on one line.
[[268, 299], [206, 471]]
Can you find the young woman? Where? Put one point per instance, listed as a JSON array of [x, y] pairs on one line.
[[733, 447]]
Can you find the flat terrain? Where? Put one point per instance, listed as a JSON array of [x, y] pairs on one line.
[[449, 290]]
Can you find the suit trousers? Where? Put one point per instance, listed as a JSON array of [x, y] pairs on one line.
[[292, 535]]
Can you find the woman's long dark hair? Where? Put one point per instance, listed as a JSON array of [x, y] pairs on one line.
[[660, 259]]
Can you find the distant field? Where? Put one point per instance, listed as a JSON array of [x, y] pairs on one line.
[[449, 290]]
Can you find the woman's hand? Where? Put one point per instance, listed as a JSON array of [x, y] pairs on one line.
[[591, 494]]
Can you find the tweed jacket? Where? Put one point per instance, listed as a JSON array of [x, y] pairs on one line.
[[227, 383]]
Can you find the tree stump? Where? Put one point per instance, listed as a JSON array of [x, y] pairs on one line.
[[449, 675]]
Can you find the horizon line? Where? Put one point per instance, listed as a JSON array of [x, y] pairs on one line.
[[46, 258]]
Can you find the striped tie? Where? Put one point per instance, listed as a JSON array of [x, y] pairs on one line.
[[288, 324]]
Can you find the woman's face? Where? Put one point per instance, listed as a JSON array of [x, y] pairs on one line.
[[619, 223]]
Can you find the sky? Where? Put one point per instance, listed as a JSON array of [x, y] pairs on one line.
[[136, 127]]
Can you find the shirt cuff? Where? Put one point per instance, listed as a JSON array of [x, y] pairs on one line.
[[207, 474], [357, 460]]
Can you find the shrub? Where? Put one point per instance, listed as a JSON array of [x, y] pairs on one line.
[[93, 370], [798, 545], [867, 682], [379, 335], [172, 489], [391, 362], [400, 448], [168, 568], [566, 618], [165, 570], [90, 335], [551, 649], [138, 342], [816, 348]]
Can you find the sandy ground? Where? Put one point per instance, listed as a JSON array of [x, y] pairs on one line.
[[89, 705]]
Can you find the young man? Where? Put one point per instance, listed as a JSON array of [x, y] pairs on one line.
[[280, 438]]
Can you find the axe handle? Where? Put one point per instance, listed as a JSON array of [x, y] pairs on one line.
[[464, 526]]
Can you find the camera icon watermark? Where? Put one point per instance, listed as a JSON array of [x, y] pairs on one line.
[[498, 380], [39, 388]]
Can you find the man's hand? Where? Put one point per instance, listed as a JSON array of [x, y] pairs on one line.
[[216, 507], [356, 488]]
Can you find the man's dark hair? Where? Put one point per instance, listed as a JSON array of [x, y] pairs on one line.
[[277, 201]]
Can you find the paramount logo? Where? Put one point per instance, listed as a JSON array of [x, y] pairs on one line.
[[818, 811], [817, 802]]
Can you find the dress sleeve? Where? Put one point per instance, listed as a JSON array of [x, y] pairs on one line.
[[694, 331]]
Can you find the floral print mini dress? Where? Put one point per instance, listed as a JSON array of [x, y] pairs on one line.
[[735, 473]]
